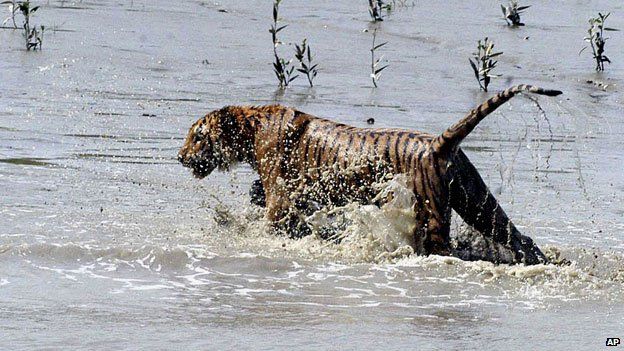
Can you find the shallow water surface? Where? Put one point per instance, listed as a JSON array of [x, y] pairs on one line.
[[107, 242]]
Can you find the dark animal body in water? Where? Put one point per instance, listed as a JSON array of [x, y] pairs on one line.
[[293, 151]]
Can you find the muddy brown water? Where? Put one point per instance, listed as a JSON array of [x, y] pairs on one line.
[[107, 243]]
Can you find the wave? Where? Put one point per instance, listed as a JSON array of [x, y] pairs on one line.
[[146, 256]]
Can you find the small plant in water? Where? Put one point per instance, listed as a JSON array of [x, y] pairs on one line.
[[374, 9], [375, 63], [597, 40], [483, 63], [303, 54], [512, 13], [12, 9], [33, 36], [283, 69]]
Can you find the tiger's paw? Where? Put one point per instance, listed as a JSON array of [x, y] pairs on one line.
[[527, 252]]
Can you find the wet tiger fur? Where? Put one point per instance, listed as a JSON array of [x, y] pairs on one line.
[[292, 150]]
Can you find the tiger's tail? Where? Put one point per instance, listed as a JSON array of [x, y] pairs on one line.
[[450, 139]]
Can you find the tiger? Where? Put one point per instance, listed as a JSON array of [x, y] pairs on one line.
[[292, 150]]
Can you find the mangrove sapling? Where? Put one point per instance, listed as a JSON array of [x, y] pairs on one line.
[[33, 36], [303, 54], [374, 9], [597, 40], [483, 63], [395, 4], [399, 3], [12, 9], [375, 63], [512, 13], [283, 69]]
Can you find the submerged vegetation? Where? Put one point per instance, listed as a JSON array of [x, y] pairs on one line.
[[597, 40], [483, 63], [376, 62], [512, 12]]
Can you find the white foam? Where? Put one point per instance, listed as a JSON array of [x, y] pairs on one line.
[[367, 233]]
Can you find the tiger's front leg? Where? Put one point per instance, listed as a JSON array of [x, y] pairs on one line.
[[286, 219], [257, 194], [281, 211]]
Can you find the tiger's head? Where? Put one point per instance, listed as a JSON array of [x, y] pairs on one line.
[[206, 147]]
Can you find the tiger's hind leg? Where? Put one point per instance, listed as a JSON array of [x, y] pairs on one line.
[[476, 205]]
